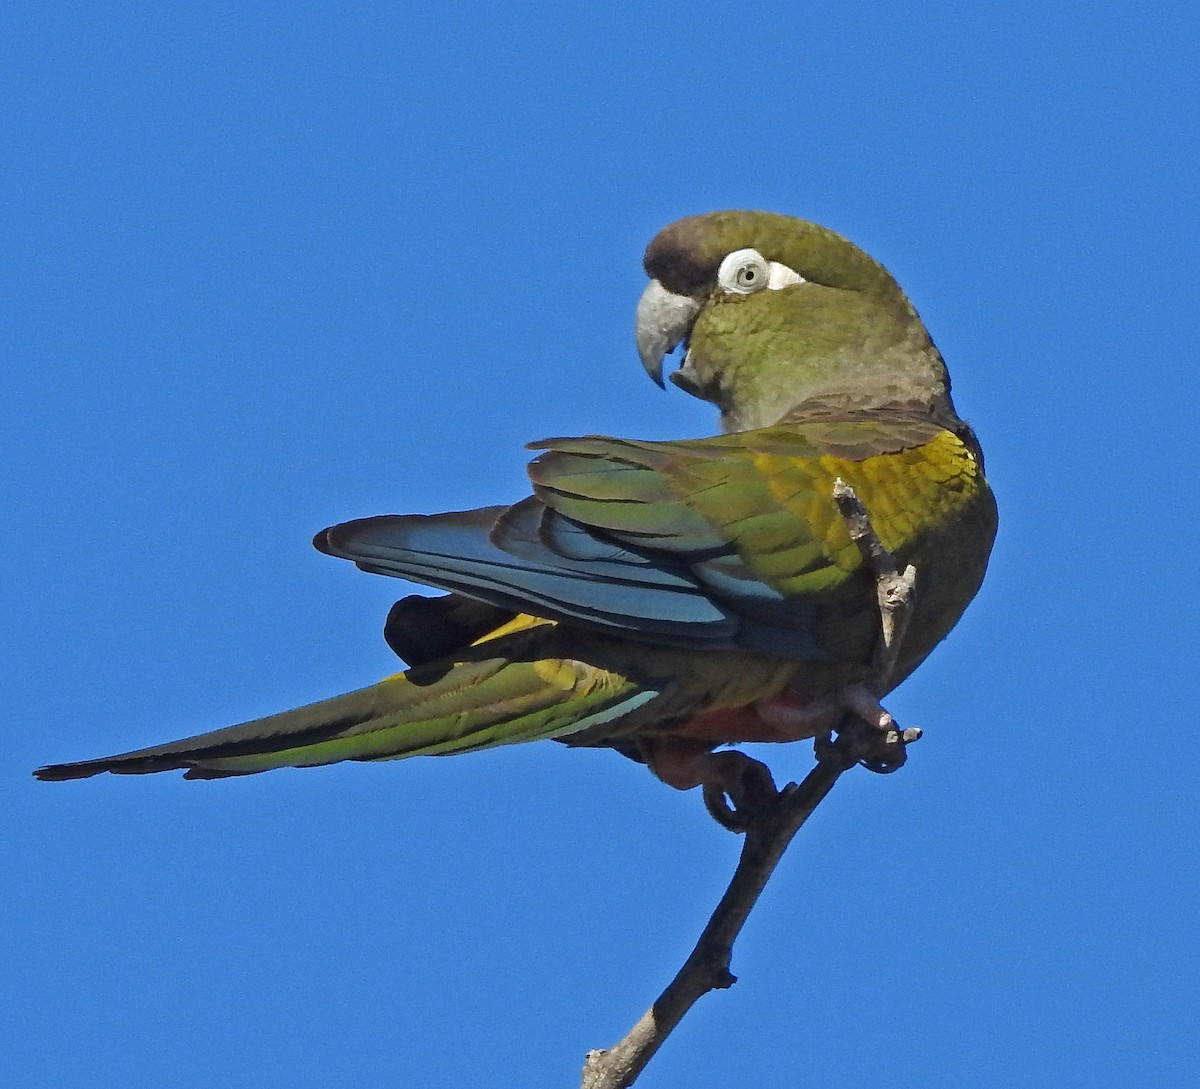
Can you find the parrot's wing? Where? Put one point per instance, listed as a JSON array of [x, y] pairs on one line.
[[731, 541], [498, 555], [751, 518]]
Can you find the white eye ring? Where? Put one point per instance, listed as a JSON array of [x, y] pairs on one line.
[[743, 272]]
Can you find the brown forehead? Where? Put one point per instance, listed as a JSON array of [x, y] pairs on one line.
[[684, 256]]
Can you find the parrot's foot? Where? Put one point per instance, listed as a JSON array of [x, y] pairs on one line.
[[879, 744], [744, 790], [736, 787], [806, 719], [872, 737]]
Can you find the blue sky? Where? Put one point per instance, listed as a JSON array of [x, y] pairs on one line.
[[267, 270]]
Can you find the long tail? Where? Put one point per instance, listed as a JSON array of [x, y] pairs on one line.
[[468, 705]]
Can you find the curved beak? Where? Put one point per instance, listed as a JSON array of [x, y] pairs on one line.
[[663, 321]]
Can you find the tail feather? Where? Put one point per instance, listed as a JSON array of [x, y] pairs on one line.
[[472, 705]]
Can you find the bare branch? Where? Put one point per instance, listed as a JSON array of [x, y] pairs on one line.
[[866, 735]]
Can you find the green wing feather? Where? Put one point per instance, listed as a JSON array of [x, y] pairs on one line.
[[761, 502]]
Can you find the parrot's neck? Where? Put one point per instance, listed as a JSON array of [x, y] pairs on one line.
[[766, 398], [756, 362]]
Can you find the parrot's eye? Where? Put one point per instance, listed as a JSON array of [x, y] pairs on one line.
[[744, 272]]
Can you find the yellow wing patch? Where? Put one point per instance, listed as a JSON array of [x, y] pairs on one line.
[[906, 493]]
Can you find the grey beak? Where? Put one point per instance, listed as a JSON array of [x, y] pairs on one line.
[[663, 320]]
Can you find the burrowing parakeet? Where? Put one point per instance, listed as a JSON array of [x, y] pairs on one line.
[[668, 598]]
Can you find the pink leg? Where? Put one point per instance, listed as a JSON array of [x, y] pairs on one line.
[[819, 715], [733, 783]]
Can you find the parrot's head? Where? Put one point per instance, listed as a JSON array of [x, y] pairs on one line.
[[774, 311]]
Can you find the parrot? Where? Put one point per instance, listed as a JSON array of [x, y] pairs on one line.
[[671, 599]]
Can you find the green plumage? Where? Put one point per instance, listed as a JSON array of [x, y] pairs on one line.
[[650, 596]]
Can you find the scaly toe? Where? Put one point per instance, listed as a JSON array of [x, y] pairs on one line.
[[861, 702]]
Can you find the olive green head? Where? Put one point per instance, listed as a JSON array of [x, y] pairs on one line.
[[775, 311]]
